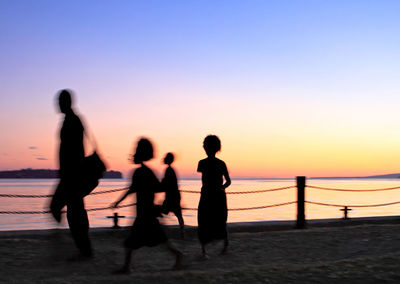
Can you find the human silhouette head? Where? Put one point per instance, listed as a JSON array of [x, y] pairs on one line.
[[212, 145], [169, 159], [144, 151], [65, 100]]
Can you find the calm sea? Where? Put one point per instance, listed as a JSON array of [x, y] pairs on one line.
[[190, 200]]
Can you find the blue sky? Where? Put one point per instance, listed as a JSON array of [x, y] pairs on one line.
[[338, 62]]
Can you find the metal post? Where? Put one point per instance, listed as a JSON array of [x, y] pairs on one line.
[[345, 210], [301, 219], [115, 218]]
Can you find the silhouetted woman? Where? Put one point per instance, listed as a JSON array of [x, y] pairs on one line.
[[212, 213], [169, 183], [146, 230]]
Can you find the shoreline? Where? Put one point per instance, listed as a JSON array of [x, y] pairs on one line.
[[236, 227]]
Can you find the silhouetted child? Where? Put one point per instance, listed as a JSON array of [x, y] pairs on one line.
[[213, 212], [169, 184], [146, 230]]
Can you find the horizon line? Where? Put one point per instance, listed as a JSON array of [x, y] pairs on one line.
[[392, 175]]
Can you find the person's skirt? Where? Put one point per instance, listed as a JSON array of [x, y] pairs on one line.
[[212, 216], [145, 232], [172, 204]]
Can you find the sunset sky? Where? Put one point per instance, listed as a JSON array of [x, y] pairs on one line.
[[291, 87]]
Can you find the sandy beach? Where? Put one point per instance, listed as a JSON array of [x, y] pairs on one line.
[[361, 252]]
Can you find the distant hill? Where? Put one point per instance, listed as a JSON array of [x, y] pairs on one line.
[[385, 176], [366, 177], [45, 173]]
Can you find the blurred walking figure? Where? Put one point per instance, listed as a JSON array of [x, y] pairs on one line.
[[146, 230], [213, 212], [68, 191], [169, 183]]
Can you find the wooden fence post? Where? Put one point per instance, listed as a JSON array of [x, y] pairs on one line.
[[301, 219]]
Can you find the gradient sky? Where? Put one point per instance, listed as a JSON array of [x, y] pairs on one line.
[[291, 87]]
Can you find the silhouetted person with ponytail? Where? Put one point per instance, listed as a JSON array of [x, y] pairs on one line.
[[213, 212], [169, 183], [68, 191]]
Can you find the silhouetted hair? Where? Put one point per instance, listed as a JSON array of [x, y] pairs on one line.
[[212, 144], [65, 98], [144, 151], [169, 158]]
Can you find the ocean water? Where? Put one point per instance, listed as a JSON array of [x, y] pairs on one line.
[[190, 200]]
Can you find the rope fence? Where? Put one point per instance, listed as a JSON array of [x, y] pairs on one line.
[[301, 201], [353, 190], [133, 204], [47, 211], [246, 192], [25, 196], [353, 206], [51, 195], [251, 208]]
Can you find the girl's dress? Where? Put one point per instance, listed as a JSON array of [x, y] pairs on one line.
[[146, 230], [212, 212]]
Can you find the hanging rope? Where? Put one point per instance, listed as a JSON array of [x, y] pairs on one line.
[[354, 206], [47, 211], [245, 192], [133, 204], [51, 195], [353, 190], [251, 208]]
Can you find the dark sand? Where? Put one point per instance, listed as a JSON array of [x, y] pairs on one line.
[[359, 253]]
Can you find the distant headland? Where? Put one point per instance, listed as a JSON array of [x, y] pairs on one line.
[[390, 176], [46, 173]]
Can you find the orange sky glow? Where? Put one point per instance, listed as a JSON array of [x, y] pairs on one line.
[[307, 88]]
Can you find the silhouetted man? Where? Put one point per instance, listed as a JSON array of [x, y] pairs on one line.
[[68, 191]]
